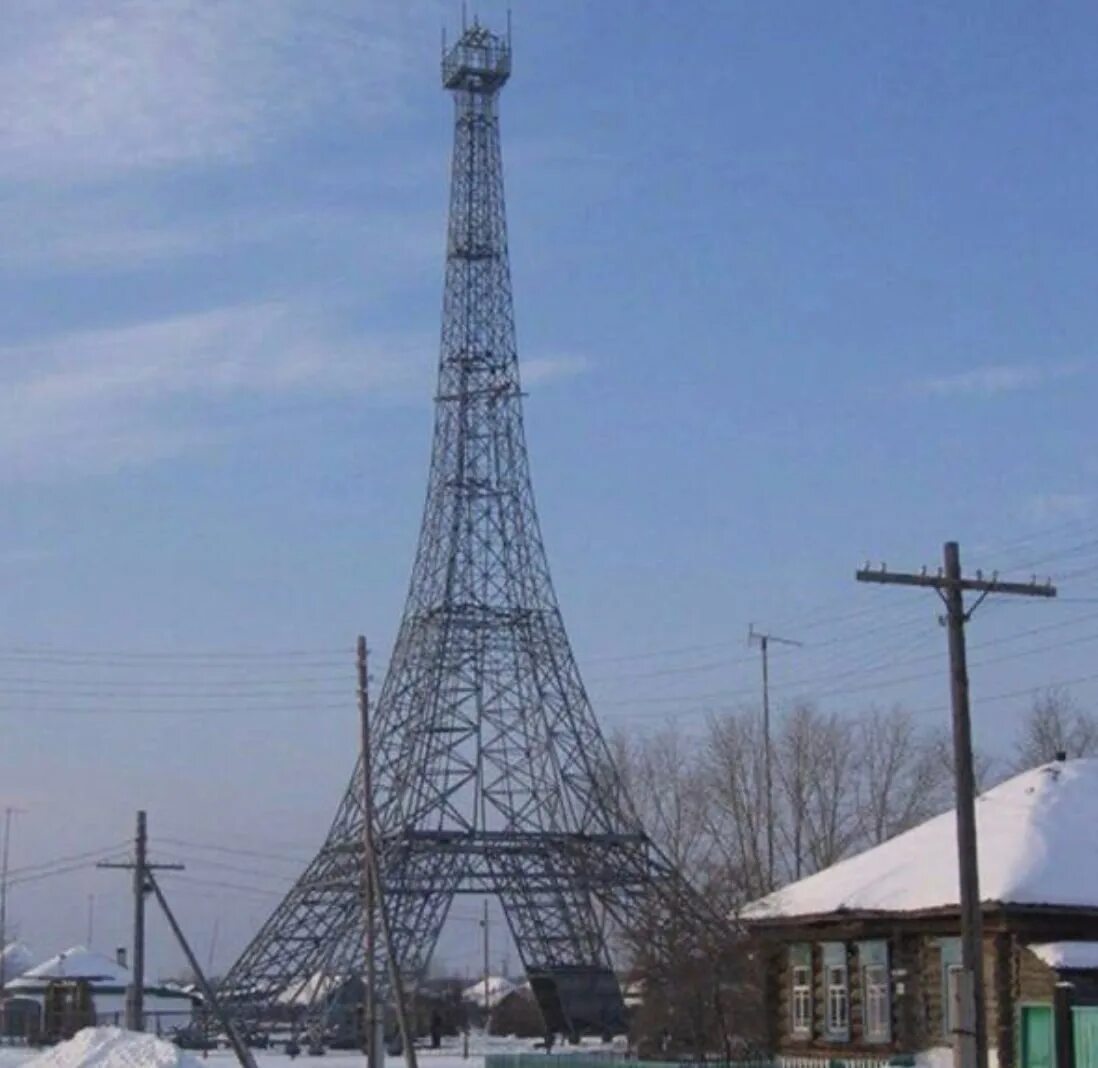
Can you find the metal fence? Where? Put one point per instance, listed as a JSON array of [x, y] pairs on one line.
[[611, 1059]]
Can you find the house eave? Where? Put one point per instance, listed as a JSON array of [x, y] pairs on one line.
[[990, 909]]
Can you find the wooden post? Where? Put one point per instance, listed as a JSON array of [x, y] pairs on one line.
[[240, 1048], [373, 873], [1063, 1025], [140, 866], [951, 585], [373, 1047], [1004, 999], [135, 996], [974, 1031]]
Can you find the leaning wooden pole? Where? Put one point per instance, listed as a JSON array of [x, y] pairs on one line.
[[377, 897], [240, 1048]]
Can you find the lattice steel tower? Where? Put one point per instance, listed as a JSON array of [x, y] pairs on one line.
[[491, 774]]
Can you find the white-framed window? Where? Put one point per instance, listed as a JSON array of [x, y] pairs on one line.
[[838, 1001], [950, 950], [951, 978], [877, 1025], [876, 991], [802, 999], [836, 991]]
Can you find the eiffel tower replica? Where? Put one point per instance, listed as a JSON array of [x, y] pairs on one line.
[[490, 773]]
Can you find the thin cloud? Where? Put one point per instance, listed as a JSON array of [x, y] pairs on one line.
[[539, 369], [1054, 507], [99, 401], [94, 90], [995, 380], [105, 232]]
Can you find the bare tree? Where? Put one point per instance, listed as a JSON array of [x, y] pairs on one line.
[[901, 779], [1055, 724], [795, 768], [831, 814], [665, 779], [987, 770], [688, 962], [737, 793]]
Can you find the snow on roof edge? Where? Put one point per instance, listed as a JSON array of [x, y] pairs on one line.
[[1067, 956], [1030, 829]]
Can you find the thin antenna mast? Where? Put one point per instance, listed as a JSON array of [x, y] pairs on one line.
[[764, 640]]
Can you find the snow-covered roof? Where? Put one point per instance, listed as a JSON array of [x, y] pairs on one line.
[[312, 988], [498, 988], [1067, 955], [78, 963], [1037, 837], [102, 973]]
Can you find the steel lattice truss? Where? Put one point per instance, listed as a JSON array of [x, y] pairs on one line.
[[491, 774]]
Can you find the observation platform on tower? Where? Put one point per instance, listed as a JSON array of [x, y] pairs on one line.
[[479, 61]]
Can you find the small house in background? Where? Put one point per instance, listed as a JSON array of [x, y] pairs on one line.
[[503, 1007], [79, 988], [481, 998], [517, 1015], [858, 958]]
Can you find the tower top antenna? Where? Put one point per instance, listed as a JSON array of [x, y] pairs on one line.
[[478, 62]]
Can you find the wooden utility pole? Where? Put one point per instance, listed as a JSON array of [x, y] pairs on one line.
[[140, 866], [764, 641], [9, 812], [373, 1052], [375, 900], [950, 585], [240, 1047], [487, 992]]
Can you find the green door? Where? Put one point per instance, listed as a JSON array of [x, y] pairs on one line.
[[1036, 1026], [1084, 1024]]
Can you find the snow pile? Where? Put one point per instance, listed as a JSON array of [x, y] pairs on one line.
[[112, 1047], [942, 1057], [1037, 836]]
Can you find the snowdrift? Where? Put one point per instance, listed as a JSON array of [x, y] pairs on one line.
[[112, 1047]]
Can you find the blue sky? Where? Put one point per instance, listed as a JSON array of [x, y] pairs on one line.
[[796, 285]]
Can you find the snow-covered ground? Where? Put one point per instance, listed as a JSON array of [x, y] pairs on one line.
[[450, 1056]]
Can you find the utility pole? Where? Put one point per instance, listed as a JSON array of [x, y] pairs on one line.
[[240, 1047], [764, 641], [950, 585], [373, 1053], [9, 812], [487, 1003], [375, 898], [141, 868]]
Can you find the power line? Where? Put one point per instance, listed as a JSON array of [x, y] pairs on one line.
[[221, 885], [91, 854], [85, 866], [91, 711], [222, 866], [235, 851], [227, 687], [181, 655], [282, 696]]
